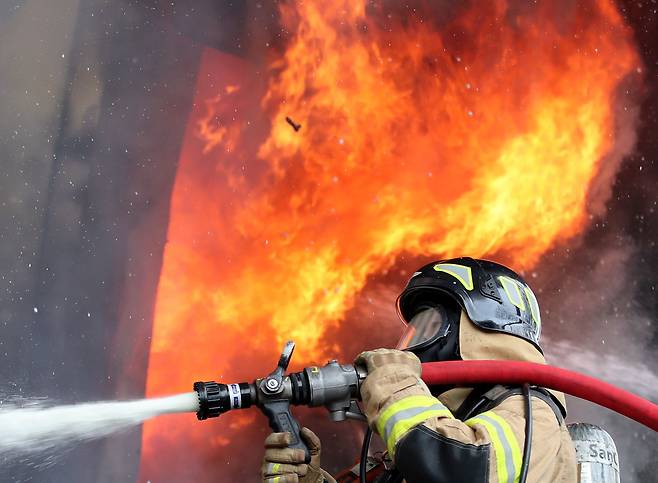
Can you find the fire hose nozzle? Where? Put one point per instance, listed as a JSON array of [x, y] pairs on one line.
[[215, 398], [212, 399]]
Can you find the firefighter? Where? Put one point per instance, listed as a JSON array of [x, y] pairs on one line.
[[458, 309]]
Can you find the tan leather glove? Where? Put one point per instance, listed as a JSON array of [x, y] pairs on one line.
[[286, 465], [390, 372]]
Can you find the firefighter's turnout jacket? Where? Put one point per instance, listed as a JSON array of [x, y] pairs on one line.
[[428, 443]]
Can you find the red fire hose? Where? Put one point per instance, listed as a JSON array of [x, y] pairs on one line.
[[466, 373]]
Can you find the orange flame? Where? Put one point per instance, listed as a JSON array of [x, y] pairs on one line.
[[478, 132]]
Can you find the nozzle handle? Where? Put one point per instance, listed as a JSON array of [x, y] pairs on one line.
[[282, 421]]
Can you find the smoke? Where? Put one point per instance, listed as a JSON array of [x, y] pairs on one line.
[[94, 99], [633, 373], [595, 322]]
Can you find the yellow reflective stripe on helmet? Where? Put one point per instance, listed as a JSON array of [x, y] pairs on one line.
[[534, 306], [513, 291], [506, 447], [403, 415], [461, 272]]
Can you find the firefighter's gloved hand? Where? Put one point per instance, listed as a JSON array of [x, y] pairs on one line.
[[390, 372], [387, 358], [286, 465]]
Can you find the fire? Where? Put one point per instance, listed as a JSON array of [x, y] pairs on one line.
[[426, 134]]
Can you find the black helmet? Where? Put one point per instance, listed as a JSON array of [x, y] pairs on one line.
[[493, 296]]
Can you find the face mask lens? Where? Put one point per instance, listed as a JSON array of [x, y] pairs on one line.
[[427, 324]]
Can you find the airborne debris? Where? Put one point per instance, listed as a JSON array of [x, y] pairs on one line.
[[296, 127]]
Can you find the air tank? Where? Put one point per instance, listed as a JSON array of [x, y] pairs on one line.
[[596, 453]]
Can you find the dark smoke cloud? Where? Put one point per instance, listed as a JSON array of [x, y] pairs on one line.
[[94, 97], [594, 324]]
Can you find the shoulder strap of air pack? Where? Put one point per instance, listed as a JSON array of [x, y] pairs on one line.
[[483, 399]]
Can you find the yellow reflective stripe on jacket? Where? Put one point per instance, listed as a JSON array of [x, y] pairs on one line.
[[401, 416], [506, 447]]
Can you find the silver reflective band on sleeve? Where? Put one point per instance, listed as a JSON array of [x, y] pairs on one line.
[[408, 414], [506, 447], [403, 415], [235, 395]]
